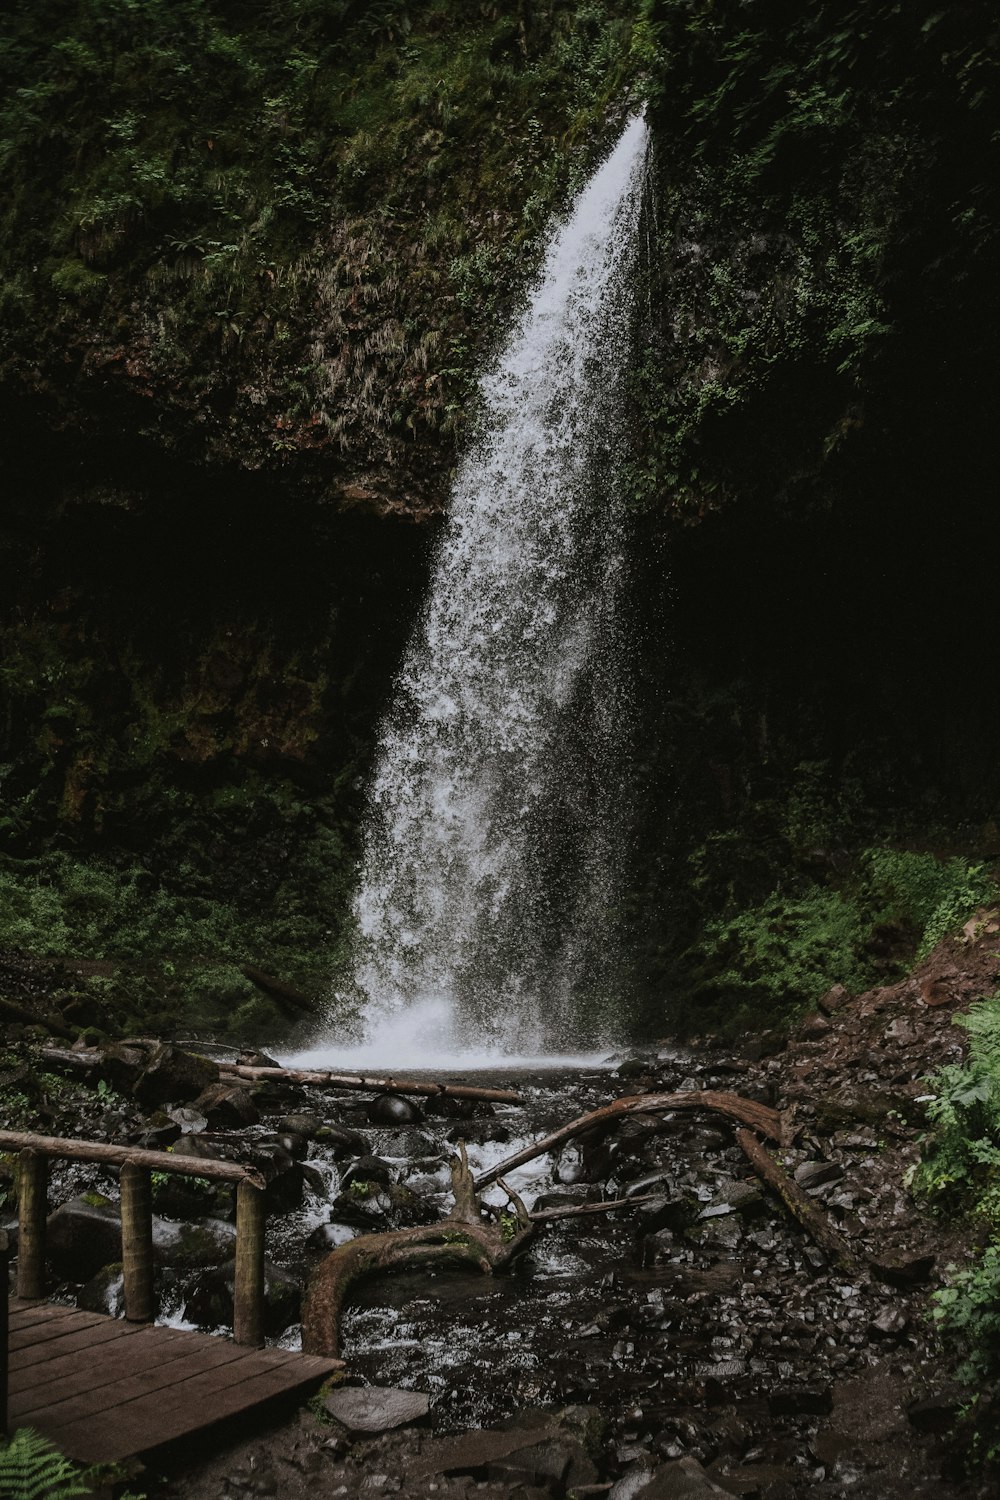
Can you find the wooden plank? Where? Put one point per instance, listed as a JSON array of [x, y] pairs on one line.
[[78, 1369], [112, 1393], [150, 1422], [106, 1389], [107, 1332], [70, 1321], [28, 1314]]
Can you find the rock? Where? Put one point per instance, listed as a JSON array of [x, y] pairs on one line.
[[296, 1145], [178, 1197], [171, 1075], [366, 1207], [411, 1145], [814, 1174], [189, 1121], [904, 1270], [366, 1169], [327, 1237], [801, 1400], [835, 999], [83, 1236], [304, 1124], [105, 1292], [556, 1462], [198, 1146], [209, 1299], [192, 1246], [682, 1479], [227, 1106], [394, 1109], [634, 1481], [891, 1323], [937, 990], [814, 1028], [283, 1175], [376, 1408], [341, 1142], [936, 1412]]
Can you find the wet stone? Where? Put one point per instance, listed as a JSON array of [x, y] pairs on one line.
[[370, 1409], [394, 1109], [341, 1141]]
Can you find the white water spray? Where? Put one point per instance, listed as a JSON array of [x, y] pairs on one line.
[[494, 835]]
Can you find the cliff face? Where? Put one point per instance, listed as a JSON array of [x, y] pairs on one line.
[[272, 239], [250, 260]]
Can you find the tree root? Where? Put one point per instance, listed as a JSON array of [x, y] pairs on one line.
[[464, 1238], [815, 1223], [746, 1111]]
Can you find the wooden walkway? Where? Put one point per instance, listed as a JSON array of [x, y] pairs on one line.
[[103, 1389]]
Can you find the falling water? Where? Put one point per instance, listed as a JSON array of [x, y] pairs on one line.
[[495, 831]]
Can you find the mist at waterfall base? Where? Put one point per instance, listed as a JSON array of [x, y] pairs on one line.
[[496, 828]]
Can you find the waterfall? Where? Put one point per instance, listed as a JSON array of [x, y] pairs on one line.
[[494, 837]]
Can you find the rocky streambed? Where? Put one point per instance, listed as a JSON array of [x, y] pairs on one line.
[[697, 1341]]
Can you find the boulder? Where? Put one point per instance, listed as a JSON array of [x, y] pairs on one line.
[[366, 1169], [191, 1246], [209, 1299], [394, 1109], [171, 1075], [227, 1106], [105, 1292], [82, 1236], [341, 1141]]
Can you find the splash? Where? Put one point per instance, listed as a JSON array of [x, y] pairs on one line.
[[494, 840]]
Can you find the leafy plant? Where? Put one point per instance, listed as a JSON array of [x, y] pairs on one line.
[[32, 1468], [960, 1165]]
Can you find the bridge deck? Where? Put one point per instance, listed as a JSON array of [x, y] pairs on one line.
[[103, 1389]]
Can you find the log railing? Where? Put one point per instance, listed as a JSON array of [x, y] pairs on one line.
[[35, 1152]]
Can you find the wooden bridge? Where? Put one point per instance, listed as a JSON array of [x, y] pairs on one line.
[[105, 1389]]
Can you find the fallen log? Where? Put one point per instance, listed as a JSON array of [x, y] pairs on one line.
[[32, 1018], [285, 995], [464, 1238], [815, 1223], [746, 1111], [323, 1079]]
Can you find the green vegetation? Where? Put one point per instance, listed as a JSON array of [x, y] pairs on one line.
[[177, 953], [814, 158], [32, 1468], [778, 957], [318, 204], [959, 1173]]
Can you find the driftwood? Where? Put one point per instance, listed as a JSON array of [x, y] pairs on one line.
[[361, 1081], [573, 1211], [746, 1111], [800, 1206], [464, 1238]]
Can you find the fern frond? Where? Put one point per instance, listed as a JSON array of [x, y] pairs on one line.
[[32, 1468]]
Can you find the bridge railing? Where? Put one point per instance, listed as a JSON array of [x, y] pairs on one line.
[[136, 1164]]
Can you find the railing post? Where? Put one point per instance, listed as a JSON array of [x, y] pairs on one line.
[[137, 1242], [4, 1327], [248, 1292], [31, 1209]]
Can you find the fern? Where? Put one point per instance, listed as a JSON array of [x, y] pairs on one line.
[[31, 1468]]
